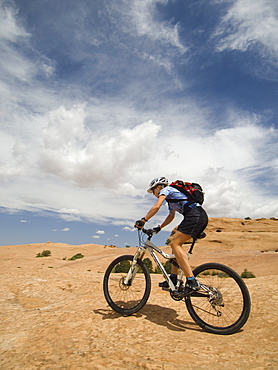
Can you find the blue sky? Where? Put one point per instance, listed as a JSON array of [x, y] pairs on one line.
[[99, 97]]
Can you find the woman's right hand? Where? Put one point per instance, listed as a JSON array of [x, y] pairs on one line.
[[139, 224]]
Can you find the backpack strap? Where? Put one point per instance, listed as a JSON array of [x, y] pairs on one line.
[[182, 190], [175, 200]]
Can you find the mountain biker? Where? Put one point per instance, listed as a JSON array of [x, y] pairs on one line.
[[194, 222]]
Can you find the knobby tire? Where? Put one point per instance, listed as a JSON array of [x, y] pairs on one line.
[[228, 309], [126, 299]]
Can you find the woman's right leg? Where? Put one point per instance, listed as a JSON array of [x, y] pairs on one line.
[[176, 244]]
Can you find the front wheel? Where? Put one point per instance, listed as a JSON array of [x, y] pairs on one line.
[[222, 305], [124, 297]]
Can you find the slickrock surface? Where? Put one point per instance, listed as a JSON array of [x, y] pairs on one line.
[[54, 315]]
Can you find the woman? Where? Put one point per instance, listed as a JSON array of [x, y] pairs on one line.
[[194, 222]]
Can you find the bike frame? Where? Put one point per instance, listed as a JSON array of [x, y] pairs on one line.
[[204, 305], [148, 245]]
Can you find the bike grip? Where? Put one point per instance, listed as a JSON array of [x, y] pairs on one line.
[[157, 229], [139, 224]]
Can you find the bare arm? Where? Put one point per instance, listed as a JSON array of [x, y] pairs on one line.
[[168, 219], [155, 208]]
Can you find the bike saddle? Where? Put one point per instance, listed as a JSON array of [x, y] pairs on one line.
[[202, 235]]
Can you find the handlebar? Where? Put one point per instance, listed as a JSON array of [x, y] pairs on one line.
[[148, 232]]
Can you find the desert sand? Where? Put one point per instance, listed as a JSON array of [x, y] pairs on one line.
[[54, 314]]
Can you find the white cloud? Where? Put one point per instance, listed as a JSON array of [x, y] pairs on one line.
[[144, 19], [96, 237], [126, 228], [65, 128], [10, 29], [249, 22], [148, 32], [85, 175], [20, 65], [100, 232], [69, 211], [65, 229], [94, 158], [90, 158], [12, 62]]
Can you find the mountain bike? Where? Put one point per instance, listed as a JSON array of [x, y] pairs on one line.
[[221, 305]]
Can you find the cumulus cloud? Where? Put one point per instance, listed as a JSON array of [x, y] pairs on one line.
[[95, 236], [65, 127], [116, 168], [89, 156], [100, 232]]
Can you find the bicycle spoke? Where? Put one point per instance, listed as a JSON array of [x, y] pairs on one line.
[[221, 306], [229, 312], [126, 296], [126, 299], [224, 306]]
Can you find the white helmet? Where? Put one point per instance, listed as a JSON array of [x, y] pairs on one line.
[[157, 181]]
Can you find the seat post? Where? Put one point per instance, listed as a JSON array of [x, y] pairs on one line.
[[192, 246]]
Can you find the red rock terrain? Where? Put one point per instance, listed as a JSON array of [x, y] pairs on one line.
[[54, 315]]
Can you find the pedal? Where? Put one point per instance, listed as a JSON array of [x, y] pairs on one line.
[[166, 289], [178, 293]]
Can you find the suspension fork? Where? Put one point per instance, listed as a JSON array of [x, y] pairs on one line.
[[134, 266]]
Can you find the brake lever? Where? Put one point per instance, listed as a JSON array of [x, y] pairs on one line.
[[148, 232]]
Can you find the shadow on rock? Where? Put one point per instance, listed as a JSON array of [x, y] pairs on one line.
[[159, 315]]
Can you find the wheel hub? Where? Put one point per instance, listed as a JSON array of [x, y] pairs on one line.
[[216, 297], [122, 284], [216, 300]]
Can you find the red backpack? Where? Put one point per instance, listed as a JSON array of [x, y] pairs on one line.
[[192, 190]]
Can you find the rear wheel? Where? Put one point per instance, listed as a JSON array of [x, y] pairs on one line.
[[126, 298], [222, 305]]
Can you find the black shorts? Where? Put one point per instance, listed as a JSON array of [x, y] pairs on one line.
[[194, 222]]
